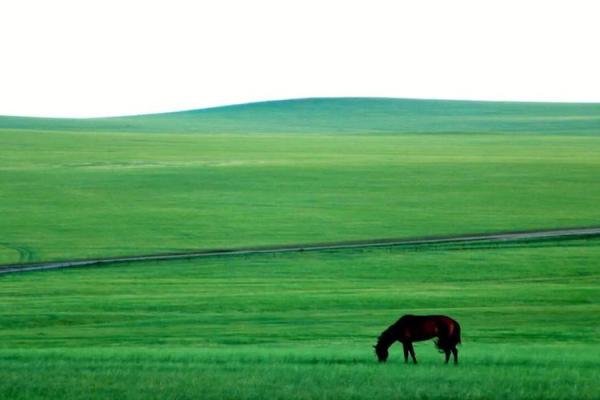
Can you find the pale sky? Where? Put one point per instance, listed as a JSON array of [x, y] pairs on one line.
[[97, 58]]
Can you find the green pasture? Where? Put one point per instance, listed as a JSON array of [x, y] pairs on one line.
[[90, 188], [302, 325]]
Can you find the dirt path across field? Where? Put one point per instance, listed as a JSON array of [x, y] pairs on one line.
[[557, 234]]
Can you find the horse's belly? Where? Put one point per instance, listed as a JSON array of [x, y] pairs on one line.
[[420, 338]]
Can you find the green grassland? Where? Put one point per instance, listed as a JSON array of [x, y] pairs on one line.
[[302, 325], [227, 177]]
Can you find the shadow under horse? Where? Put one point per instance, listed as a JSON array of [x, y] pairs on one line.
[[415, 328]]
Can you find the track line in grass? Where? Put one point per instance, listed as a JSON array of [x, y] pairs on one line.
[[25, 253], [465, 239]]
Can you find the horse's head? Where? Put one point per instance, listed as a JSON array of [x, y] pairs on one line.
[[382, 352]]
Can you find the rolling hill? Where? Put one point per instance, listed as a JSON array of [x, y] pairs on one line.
[[295, 171], [345, 115]]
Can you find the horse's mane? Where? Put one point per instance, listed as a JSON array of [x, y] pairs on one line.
[[389, 335]]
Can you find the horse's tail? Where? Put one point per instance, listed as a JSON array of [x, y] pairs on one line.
[[456, 335]]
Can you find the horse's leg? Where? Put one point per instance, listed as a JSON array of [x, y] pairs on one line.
[[447, 351], [405, 346], [455, 354], [412, 352]]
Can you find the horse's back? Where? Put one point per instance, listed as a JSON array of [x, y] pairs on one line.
[[442, 322], [418, 318]]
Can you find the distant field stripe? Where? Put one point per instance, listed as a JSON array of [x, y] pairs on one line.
[[565, 233]]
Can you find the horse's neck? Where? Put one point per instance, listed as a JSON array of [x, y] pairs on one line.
[[388, 337]]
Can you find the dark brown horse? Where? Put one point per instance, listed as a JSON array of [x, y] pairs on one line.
[[414, 328]]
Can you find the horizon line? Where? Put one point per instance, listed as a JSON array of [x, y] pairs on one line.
[[291, 99]]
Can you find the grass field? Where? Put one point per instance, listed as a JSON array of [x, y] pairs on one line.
[[302, 325], [98, 188]]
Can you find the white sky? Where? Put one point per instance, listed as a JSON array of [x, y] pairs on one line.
[[97, 58]]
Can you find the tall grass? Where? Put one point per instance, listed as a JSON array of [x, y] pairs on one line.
[[487, 372]]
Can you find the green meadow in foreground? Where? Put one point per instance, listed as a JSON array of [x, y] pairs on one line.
[[302, 326], [293, 171]]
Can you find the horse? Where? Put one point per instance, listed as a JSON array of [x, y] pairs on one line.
[[415, 328]]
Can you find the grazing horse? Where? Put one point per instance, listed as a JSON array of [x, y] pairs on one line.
[[415, 328]]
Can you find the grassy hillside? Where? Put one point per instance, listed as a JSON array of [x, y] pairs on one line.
[[96, 190], [346, 115], [302, 326]]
